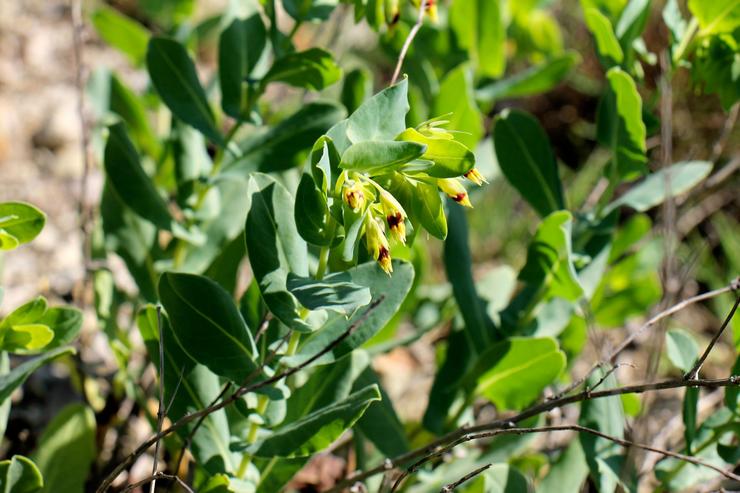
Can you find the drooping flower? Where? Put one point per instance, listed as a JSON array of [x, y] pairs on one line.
[[475, 176], [395, 216], [454, 189], [353, 195], [377, 244]]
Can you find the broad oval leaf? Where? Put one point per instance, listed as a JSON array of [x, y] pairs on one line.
[[518, 369], [656, 188], [275, 248], [173, 75], [716, 16], [479, 28], [311, 69], [65, 322], [607, 44], [19, 223], [312, 216], [208, 325], [619, 125], [450, 158], [429, 209], [66, 450], [240, 47], [457, 99], [381, 117], [334, 292], [681, 349], [121, 32], [550, 259], [393, 289], [380, 156], [317, 430], [527, 161], [20, 475]]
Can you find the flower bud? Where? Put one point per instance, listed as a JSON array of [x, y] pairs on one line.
[[475, 176], [377, 244], [354, 196], [454, 189], [395, 216], [432, 10]]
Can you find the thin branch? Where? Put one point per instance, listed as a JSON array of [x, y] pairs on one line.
[[409, 39], [451, 487], [546, 429], [653, 320], [535, 410], [156, 476], [724, 136], [245, 389], [160, 407], [694, 372]]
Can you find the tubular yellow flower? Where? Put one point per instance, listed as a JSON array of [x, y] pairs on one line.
[[377, 244], [475, 176], [395, 216], [432, 10], [454, 189], [353, 195]]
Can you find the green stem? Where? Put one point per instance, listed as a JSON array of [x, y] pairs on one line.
[[323, 261], [688, 37]]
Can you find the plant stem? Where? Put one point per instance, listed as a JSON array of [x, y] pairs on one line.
[[688, 37]]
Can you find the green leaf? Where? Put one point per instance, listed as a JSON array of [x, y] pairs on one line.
[[716, 16], [380, 156], [27, 337], [275, 248], [456, 97], [604, 415], [4, 405], [620, 127], [208, 325], [534, 80], [283, 146], [131, 109], [20, 475], [550, 259], [428, 209], [518, 369], [568, 472], [334, 292], [130, 181], [357, 88], [312, 216], [240, 47], [479, 27], [15, 378], [450, 158], [607, 44], [309, 10], [690, 415], [190, 387], [732, 394], [28, 312], [657, 187], [19, 223], [527, 161], [318, 430], [459, 268], [631, 24], [393, 289], [714, 67], [176, 81], [311, 69], [380, 423], [122, 33], [66, 450], [682, 349], [65, 322], [381, 117]]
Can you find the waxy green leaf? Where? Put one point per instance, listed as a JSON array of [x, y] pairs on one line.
[[15, 377], [121, 32], [20, 475], [380, 156], [607, 44], [479, 28], [312, 69], [240, 48], [381, 117], [19, 224], [450, 157]]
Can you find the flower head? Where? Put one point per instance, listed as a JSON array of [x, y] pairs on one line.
[[475, 176], [395, 216], [353, 195], [377, 244], [454, 189]]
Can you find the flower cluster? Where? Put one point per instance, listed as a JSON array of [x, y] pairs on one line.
[[381, 211]]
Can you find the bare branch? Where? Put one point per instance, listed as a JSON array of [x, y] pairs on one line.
[[694, 372], [156, 476], [245, 389], [409, 39], [535, 410], [451, 487], [160, 407]]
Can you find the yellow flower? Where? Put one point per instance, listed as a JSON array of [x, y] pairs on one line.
[[454, 189], [354, 196], [475, 176], [377, 244], [395, 216]]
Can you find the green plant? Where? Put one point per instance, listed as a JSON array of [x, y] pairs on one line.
[[277, 245]]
